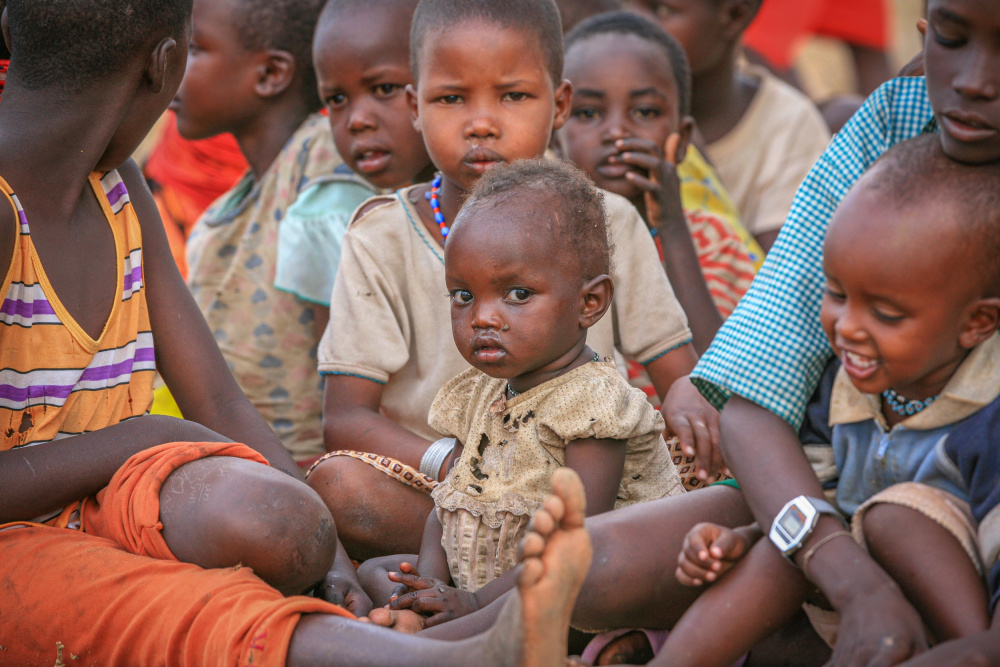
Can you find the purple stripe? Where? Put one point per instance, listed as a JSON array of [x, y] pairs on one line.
[[145, 354], [117, 193], [99, 373], [26, 308], [18, 394], [22, 217], [133, 278]]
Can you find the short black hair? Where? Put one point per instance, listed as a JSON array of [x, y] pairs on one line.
[[575, 11], [283, 25], [629, 23], [539, 17], [71, 43], [917, 172], [580, 218]]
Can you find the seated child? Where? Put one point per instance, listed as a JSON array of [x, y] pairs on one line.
[[763, 136], [251, 74], [630, 104], [383, 356], [916, 363], [525, 288]]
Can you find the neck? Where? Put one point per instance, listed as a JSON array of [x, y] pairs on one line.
[[718, 99], [50, 142], [262, 140], [577, 356], [451, 196]]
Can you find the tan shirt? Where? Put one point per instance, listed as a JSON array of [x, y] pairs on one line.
[[391, 321], [513, 446], [763, 160]]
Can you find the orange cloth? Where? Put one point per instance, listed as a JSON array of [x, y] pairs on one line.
[[187, 176], [115, 595], [782, 25]]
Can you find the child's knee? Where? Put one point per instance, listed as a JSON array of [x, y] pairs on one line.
[[220, 512]]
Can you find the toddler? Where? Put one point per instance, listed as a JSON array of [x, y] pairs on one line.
[[527, 267], [916, 363]]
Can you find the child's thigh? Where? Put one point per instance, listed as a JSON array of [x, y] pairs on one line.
[[62, 591]]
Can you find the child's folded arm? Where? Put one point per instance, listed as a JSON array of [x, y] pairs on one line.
[[600, 464], [186, 353]]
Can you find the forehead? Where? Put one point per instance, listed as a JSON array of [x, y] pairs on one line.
[[477, 51], [981, 13], [623, 61], [363, 36]]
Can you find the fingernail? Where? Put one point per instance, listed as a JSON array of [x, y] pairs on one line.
[[689, 451], [702, 475]]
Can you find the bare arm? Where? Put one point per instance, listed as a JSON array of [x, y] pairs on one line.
[[669, 368], [351, 420], [187, 355]]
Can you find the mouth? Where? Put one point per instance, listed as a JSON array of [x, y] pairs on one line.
[[609, 169], [966, 127], [370, 160], [859, 366], [481, 159], [488, 349]]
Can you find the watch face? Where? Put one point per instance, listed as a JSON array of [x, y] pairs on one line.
[[792, 521]]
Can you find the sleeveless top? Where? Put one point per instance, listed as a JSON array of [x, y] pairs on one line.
[[55, 380]]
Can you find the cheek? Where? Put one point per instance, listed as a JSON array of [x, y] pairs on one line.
[[828, 318]]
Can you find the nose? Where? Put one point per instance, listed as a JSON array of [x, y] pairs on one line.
[[485, 315], [361, 119], [482, 123], [978, 78], [849, 324], [615, 128]]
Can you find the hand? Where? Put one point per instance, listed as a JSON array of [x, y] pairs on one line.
[[405, 568], [433, 598], [345, 592], [661, 183], [878, 627], [405, 621], [695, 422], [709, 551], [978, 650]]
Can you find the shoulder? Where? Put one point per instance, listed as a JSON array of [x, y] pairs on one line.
[[377, 209], [140, 196], [623, 218]]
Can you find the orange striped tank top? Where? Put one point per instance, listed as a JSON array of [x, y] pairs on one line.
[[55, 380]]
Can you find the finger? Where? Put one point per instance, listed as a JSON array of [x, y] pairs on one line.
[[428, 605], [642, 182], [411, 580], [922, 27], [439, 618], [703, 443], [680, 425], [730, 546], [715, 438], [693, 570], [408, 568], [638, 145], [670, 148], [684, 580], [644, 161]]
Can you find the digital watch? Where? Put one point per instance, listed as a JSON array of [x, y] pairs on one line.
[[796, 521]]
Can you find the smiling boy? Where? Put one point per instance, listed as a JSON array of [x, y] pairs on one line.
[[488, 89]]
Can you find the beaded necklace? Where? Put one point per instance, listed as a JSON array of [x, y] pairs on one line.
[[432, 197], [906, 407]]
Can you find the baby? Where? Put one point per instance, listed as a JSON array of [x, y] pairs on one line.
[[527, 266]]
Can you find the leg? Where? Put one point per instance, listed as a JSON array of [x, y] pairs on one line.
[[931, 568], [531, 628], [374, 572], [375, 514]]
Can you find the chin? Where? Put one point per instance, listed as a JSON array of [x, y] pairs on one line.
[[972, 154]]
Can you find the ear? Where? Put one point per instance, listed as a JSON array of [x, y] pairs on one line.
[[564, 101], [684, 131], [595, 299], [411, 99], [159, 62], [737, 16], [981, 322], [275, 73]]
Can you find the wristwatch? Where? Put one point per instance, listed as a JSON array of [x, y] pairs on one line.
[[796, 521]]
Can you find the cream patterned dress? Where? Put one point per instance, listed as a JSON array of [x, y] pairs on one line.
[[513, 446]]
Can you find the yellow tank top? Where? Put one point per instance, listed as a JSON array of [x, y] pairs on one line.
[[55, 380]]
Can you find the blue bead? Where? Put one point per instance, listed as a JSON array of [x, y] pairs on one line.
[[444, 231], [439, 218]]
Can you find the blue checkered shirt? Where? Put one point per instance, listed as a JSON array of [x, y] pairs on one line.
[[772, 349]]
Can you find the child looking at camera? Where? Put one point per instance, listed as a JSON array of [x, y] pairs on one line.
[[917, 363], [628, 129], [488, 89], [527, 266]]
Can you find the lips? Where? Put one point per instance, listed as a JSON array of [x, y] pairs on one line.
[[966, 127], [859, 366], [609, 169], [480, 159], [488, 349], [370, 159]]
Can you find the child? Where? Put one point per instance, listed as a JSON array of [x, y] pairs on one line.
[[762, 135], [631, 99], [537, 397], [251, 255], [478, 102], [908, 222]]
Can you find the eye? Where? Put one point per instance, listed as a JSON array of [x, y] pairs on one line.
[[518, 294], [515, 97], [946, 40], [647, 113], [831, 293], [888, 318], [335, 100], [385, 89], [586, 113], [461, 296], [449, 99]]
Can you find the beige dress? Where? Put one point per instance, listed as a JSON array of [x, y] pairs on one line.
[[513, 446]]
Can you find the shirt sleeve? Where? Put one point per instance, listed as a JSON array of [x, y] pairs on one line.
[[367, 335], [310, 238], [772, 349], [648, 319]]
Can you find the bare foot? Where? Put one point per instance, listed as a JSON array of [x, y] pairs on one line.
[[555, 557]]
